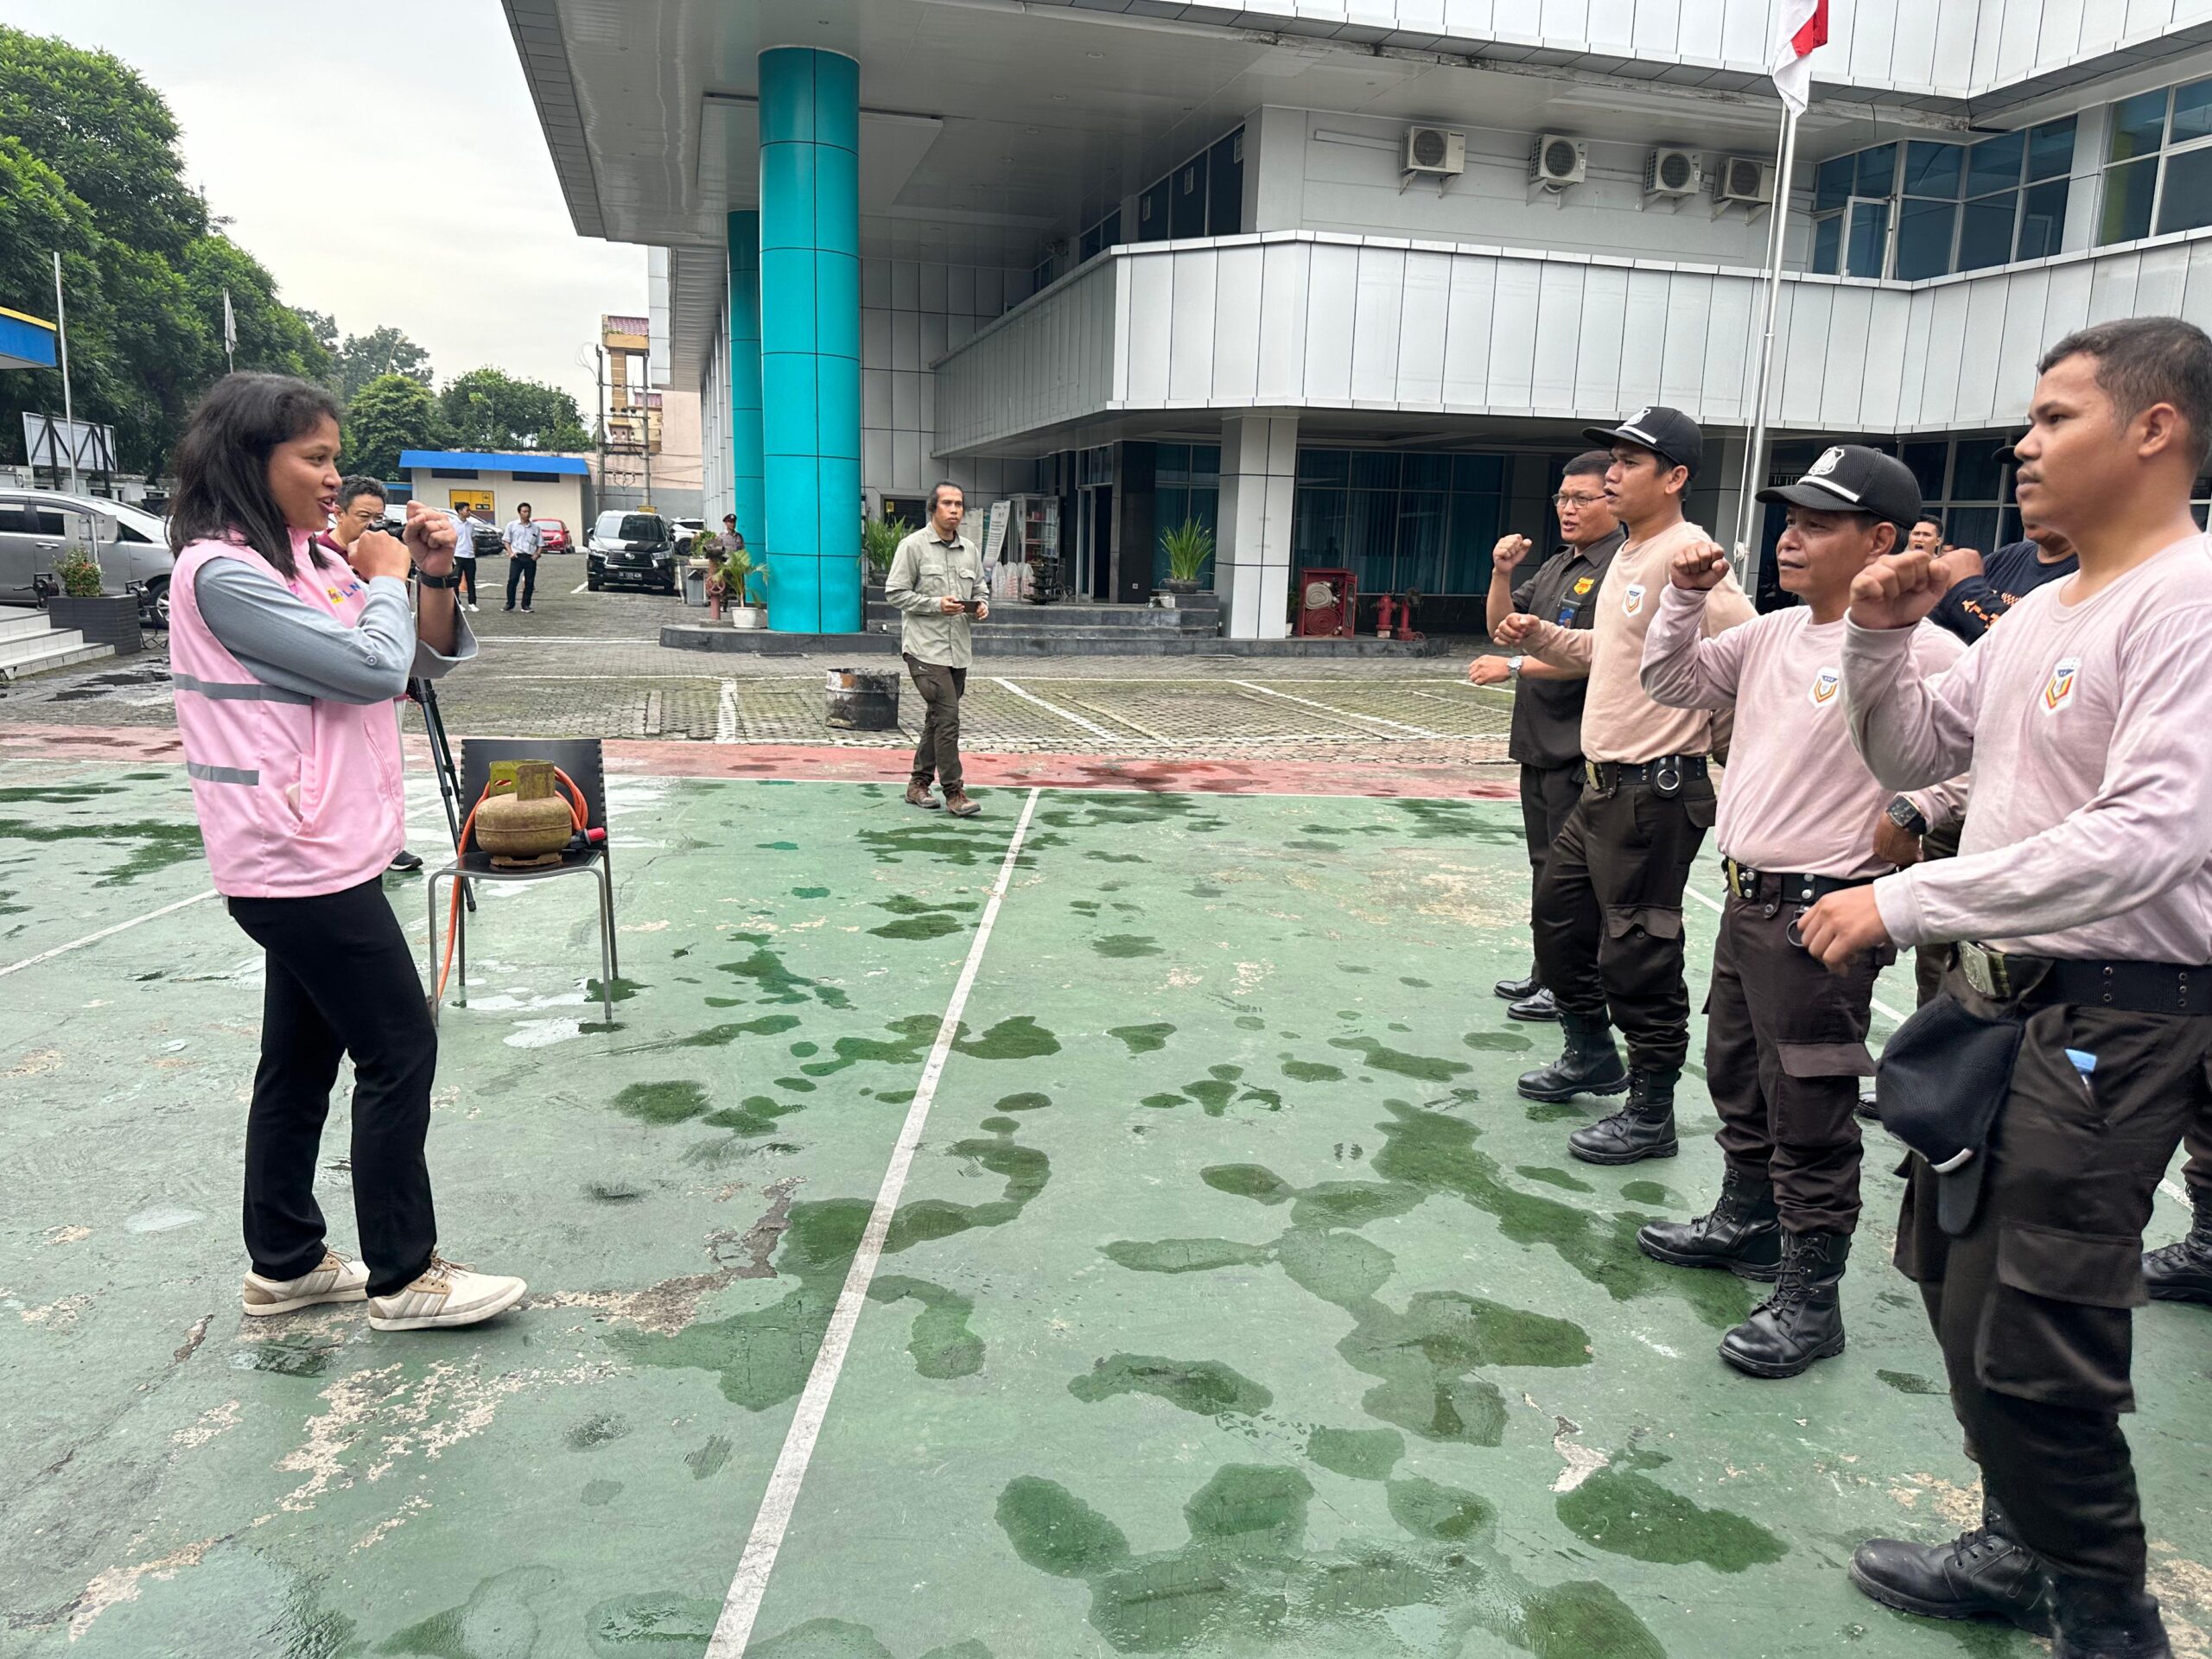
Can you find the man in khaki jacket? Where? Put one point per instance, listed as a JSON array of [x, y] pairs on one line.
[[936, 582]]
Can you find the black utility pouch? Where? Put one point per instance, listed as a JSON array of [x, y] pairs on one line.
[[1942, 1081]]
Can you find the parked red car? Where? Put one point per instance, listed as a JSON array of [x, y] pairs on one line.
[[557, 535]]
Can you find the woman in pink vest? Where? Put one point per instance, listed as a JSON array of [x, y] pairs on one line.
[[287, 659]]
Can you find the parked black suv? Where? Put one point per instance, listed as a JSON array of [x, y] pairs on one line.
[[637, 548]]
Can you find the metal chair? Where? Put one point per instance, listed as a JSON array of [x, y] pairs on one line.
[[579, 758]]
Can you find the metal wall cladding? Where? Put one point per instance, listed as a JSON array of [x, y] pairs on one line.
[[1297, 321], [1942, 49]]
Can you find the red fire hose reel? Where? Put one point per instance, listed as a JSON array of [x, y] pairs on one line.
[[1326, 601]]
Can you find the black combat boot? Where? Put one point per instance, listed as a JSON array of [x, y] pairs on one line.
[[2182, 1272], [1979, 1575], [1740, 1233], [2099, 1619], [1591, 1065], [1513, 990], [1802, 1320], [1643, 1128], [1538, 1004]]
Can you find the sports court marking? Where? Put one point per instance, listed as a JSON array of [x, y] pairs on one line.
[[1095, 729], [726, 714], [104, 933], [735, 1628], [1341, 713]]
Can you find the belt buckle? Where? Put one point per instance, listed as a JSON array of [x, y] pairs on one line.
[[1986, 971], [1665, 776]]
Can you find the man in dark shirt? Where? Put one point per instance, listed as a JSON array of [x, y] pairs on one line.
[[1547, 731], [1982, 591]]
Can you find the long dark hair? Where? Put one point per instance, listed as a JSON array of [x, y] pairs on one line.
[[222, 463]]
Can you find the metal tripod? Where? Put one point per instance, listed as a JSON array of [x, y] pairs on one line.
[[424, 696]]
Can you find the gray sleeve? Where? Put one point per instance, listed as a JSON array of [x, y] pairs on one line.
[[288, 644]]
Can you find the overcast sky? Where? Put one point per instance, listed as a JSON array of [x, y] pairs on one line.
[[377, 182]]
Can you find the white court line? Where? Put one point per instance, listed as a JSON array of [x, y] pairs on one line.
[[735, 1628], [1341, 713], [1092, 727], [1896, 1019], [726, 714], [579, 588], [104, 933]]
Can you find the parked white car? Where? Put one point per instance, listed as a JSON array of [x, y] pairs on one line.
[[131, 545]]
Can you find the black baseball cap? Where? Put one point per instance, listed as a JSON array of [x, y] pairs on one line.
[[1667, 433], [1850, 477]]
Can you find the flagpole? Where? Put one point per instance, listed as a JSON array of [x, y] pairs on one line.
[[68, 407], [1746, 548], [230, 335]]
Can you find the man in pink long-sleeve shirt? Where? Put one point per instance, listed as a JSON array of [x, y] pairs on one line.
[[1608, 906], [1785, 1039], [2084, 881]]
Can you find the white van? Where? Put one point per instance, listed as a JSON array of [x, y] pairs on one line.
[[131, 545]]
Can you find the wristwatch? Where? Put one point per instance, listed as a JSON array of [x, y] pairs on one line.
[[1907, 816], [451, 579], [1513, 667]]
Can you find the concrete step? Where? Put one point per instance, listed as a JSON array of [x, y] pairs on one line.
[[21, 622], [54, 657], [31, 647]]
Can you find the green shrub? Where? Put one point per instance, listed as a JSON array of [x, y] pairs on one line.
[[880, 542], [1188, 546], [78, 573]]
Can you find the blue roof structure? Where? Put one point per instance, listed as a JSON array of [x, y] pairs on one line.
[[26, 342], [467, 461]]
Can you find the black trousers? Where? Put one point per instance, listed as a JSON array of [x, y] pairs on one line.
[[341, 980], [937, 755], [523, 571], [1785, 1045], [2034, 1305], [1547, 795], [465, 568], [1609, 914]]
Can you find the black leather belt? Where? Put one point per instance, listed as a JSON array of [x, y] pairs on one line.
[[2136, 987], [1796, 889], [1666, 775]]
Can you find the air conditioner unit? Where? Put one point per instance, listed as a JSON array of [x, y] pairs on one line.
[[1435, 153], [1746, 180], [1673, 173], [1555, 162]]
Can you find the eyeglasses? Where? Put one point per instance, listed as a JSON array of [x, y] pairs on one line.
[[1563, 500]]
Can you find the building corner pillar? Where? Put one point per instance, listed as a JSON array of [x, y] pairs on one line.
[[1252, 553]]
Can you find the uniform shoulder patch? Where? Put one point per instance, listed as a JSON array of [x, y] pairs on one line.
[[1632, 598], [2058, 689], [1826, 685]]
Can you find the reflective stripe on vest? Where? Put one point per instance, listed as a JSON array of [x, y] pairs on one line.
[[237, 692]]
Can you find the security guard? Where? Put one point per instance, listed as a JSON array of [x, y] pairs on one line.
[[1785, 1039], [1546, 737], [1609, 906], [2084, 885]]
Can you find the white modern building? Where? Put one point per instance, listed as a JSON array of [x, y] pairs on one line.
[[1344, 278]]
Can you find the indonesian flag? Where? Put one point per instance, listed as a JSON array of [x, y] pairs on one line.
[[1804, 27]]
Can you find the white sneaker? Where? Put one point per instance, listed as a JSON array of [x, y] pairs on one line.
[[445, 1294], [336, 1281], [472, 608]]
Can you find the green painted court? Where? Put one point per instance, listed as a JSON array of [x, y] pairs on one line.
[[1232, 1303]]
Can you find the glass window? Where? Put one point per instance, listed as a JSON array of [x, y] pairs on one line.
[[1479, 472], [1994, 164], [1933, 169], [1423, 517], [1088, 249], [1324, 466], [2043, 220], [1973, 527], [1876, 170], [2192, 112], [1924, 231], [1189, 213], [2050, 149], [1370, 532], [1986, 237], [1427, 472], [1151, 212], [1827, 244], [1832, 184], [2186, 202], [1974, 474], [1206, 464], [2128, 191], [1374, 469], [1927, 461], [2139, 125], [1316, 535], [1225, 186], [1477, 520], [1867, 240]]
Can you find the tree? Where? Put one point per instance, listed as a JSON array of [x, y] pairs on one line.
[[380, 352], [486, 409], [393, 412]]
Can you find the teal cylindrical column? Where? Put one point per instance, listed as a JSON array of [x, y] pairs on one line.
[[811, 337], [746, 472]]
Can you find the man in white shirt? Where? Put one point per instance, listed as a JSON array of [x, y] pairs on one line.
[[524, 543]]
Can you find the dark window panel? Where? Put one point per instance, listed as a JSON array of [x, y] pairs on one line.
[[1867, 239], [1973, 527], [1933, 169], [1827, 244], [2050, 149], [1481, 472], [2043, 220], [1205, 462], [1151, 212], [1426, 472], [2139, 125], [1225, 186], [1188, 214], [2126, 213], [1324, 466], [2192, 112], [1927, 461], [1374, 469], [1832, 183], [1974, 474], [2186, 202], [1994, 164], [1925, 232], [1877, 170], [1986, 238]]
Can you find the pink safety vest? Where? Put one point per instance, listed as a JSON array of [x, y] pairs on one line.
[[297, 796]]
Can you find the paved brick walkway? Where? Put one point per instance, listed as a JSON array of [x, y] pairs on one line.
[[589, 665]]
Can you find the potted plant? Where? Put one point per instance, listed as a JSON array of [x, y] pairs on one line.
[[741, 579], [104, 618], [1189, 548]]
